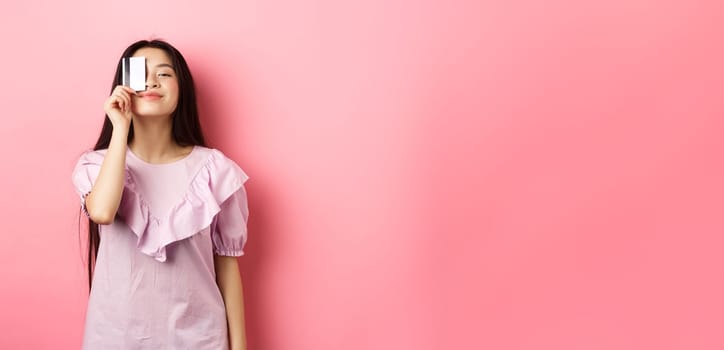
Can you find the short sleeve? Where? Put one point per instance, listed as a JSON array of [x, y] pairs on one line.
[[85, 174], [229, 226]]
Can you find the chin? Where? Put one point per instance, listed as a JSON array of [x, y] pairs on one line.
[[153, 114]]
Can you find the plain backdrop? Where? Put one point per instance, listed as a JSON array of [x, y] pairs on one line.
[[423, 174]]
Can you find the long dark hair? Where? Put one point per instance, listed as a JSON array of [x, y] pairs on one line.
[[186, 128]]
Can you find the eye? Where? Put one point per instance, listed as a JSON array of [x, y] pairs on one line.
[[164, 74]]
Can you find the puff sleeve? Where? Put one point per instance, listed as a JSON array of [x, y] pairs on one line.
[[85, 174], [229, 226]]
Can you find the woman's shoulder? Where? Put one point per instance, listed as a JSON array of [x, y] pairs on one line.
[[216, 155], [219, 163], [91, 156]]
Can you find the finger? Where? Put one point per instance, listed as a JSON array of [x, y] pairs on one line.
[[126, 101], [119, 100], [129, 90], [115, 102], [120, 94], [122, 89]]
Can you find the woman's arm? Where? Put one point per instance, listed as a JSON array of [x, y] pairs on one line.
[[229, 280], [105, 197]]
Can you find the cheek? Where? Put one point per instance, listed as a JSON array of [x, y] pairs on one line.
[[174, 90]]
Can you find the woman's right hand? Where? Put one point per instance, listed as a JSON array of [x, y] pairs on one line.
[[118, 106]]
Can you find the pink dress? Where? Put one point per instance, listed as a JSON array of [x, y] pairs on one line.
[[154, 285]]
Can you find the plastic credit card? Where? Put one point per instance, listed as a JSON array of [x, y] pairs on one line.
[[134, 72]]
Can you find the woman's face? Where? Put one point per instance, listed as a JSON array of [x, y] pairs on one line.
[[161, 95]]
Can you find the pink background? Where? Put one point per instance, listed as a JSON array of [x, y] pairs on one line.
[[424, 174]]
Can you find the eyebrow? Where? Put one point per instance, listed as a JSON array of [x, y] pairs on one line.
[[165, 65]]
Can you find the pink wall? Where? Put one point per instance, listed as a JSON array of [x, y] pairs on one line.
[[424, 175]]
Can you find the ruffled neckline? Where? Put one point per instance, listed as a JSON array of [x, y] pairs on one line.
[[215, 179]]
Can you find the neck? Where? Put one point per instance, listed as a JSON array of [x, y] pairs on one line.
[[152, 140]]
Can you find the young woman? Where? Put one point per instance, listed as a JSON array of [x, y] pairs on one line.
[[167, 219]]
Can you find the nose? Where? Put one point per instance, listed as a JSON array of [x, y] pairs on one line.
[[151, 81]]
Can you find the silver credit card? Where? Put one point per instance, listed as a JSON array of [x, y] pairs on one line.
[[134, 72]]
